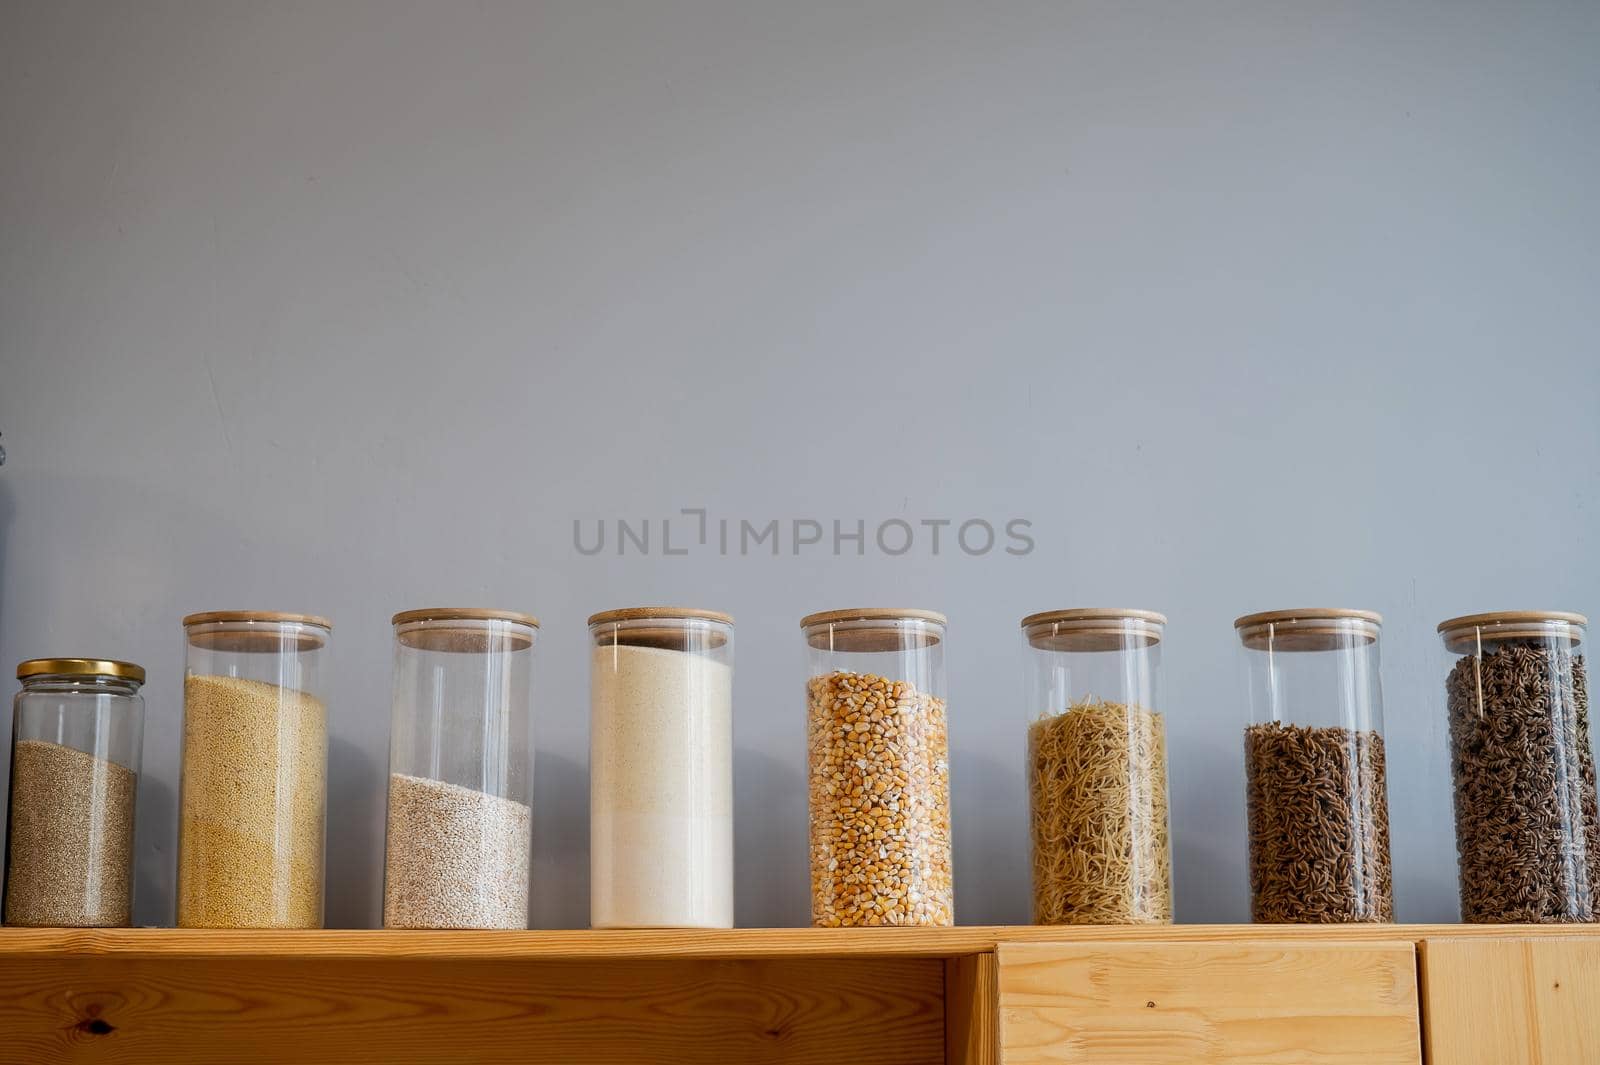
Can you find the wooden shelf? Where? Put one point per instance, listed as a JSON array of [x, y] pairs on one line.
[[702, 943], [1374, 995]]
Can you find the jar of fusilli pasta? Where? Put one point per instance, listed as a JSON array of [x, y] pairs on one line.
[[1527, 830], [1097, 768]]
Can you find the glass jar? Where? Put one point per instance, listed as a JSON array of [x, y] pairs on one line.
[[1315, 776], [1097, 768], [76, 738], [255, 760], [661, 768], [879, 768], [1527, 832], [460, 770]]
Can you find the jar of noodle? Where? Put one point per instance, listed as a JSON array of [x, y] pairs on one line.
[[1097, 767]]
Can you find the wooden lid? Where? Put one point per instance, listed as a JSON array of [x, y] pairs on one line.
[[1462, 635], [647, 613], [456, 633], [1308, 629], [872, 613], [267, 617], [873, 629], [257, 631], [1094, 628], [80, 667], [463, 613]]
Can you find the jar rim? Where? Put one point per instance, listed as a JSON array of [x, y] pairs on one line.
[[1094, 629], [1463, 635], [1513, 617], [1312, 613], [268, 617], [464, 613], [80, 667], [646, 613], [1311, 629], [873, 613]]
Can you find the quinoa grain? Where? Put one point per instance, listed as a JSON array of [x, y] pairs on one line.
[[71, 845], [254, 793]]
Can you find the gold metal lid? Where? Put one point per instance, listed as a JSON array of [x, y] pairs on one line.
[[646, 613], [1463, 634], [1308, 629], [1094, 629], [80, 667], [463, 613], [267, 617]]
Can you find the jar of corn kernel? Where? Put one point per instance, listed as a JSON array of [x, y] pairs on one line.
[[879, 768]]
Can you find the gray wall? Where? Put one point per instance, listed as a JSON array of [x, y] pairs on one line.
[[354, 307]]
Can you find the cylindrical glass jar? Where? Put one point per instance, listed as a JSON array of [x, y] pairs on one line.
[[255, 762], [1527, 830], [76, 739], [1097, 768], [661, 768], [879, 768], [460, 770], [1315, 775]]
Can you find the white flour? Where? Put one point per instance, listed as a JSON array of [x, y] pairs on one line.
[[661, 791]]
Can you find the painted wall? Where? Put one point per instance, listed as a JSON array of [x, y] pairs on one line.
[[354, 307]]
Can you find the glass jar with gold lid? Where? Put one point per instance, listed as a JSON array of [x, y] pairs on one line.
[[76, 740]]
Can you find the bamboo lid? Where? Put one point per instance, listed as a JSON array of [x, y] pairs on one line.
[[646, 613], [1308, 629], [873, 629], [266, 617], [630, 627], [463, 613], [278, 632], [80, 667], [1085, 629], [872, 613], [1462, 635], [456, 634]]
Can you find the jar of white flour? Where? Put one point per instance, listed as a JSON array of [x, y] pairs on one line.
[[661, 769]]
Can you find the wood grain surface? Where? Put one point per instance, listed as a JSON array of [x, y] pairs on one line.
[[699, 943], [1247, 1003], [971, 1007], [1523, 1001], [139, 1010]]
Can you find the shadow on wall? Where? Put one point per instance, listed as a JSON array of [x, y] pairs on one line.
[[989, 824], [8, 509], [769, 802], [558, 884], [358, 792], [155, 837]]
